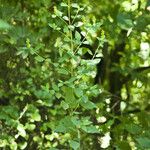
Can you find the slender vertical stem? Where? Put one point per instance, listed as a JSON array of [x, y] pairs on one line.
[[69, 16], [79, 137], [72, 47], [70, 31]]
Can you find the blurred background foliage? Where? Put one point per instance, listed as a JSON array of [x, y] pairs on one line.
[[74, 74]]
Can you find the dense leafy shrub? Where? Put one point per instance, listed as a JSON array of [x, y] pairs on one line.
[[74, 75]]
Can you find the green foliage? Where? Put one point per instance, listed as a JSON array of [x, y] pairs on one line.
[[48, 95]]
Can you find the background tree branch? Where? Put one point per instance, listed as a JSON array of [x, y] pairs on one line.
[[137, 70]]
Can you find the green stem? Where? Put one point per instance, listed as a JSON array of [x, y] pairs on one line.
[[69, 16], [79, 137]]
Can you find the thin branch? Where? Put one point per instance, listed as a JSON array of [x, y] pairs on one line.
[[80, 44], [23, 112], [137, 70], [137, 110], [140, 69]]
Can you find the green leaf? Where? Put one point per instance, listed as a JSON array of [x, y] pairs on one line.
[[58, 95], [70, 97], [133, 128], [63, 71], [66, 18], [57, 12], [39, 58], [24, 55], [86, 121], [88, 105], [23, 145], [30, 127], [78, 24], [71, 27], [64, 5], [144, 142], [11, 111], [65, 125], [75, 5], [77, 36], [90, 129], [21, 130], [64, 105], [60, 128], [84, 99], [78, 92], [36, 116], [124, 21], [74, 144], [54, 26], [90, 52], [33, 113], [4, 25], [91, 62], [55, 87], [75, 120]]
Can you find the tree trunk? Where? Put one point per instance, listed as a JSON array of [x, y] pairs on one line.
[[115, 80]]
